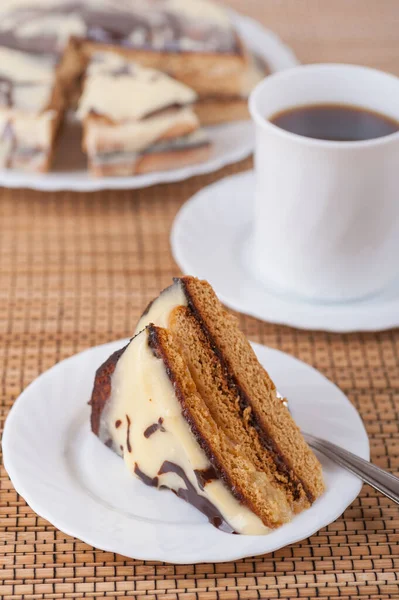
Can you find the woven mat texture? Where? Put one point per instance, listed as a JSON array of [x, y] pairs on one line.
[[77, 269]]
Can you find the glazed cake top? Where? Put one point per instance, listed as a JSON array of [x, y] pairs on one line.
[[26, 81], [45, 26], [123, 90]]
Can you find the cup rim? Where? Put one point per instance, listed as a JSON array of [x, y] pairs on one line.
[[265, 124]]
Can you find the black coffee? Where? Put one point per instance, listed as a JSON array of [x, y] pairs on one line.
[[337, 122]]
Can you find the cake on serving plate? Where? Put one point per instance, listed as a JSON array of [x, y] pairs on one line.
[[194, 41], [137, 119], [31, 109], [189, 407]]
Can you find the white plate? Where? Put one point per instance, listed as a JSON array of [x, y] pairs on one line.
[[231, 142], [70, 478], [224, 211]]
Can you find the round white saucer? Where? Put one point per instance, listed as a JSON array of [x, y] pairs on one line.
[[71, 479], [209, 239]]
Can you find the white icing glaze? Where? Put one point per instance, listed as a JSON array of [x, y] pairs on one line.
[[21, 67], [66, 27], [160, 309], [33, 131], [31, 99], [27, 131], [129, 96], [200, 10], [142, 391], [31, 79]]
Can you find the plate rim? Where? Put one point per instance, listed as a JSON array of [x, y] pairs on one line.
[[307, 321], [70, 182], [65, 527]]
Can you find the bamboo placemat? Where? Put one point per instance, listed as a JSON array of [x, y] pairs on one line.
[[77, 269]]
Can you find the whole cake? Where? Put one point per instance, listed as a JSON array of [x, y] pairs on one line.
[[189, 407], [48, 44]]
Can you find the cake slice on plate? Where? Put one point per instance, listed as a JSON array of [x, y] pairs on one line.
[[31, 109], [137, 119], [189, 407]]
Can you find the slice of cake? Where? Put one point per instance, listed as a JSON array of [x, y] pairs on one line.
[[31, 108], [189, 391], [146, 407], [137, 119]]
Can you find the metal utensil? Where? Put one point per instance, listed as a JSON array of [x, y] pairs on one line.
[[381, 480]]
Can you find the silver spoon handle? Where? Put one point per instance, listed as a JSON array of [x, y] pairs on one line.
[[381, 480]]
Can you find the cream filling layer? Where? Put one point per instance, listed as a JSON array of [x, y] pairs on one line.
[[20, 132], [29, 130], [143, 396], [135, 136], [191, 141]]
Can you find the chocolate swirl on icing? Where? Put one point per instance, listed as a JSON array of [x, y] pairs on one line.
[[128, 445], [154, 427], [12, 31], [150, 481], [190, 495], [205, 476], [6, 89], [158, 25]]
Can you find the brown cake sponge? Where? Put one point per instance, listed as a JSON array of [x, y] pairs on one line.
[[296, 466], [250, 486]]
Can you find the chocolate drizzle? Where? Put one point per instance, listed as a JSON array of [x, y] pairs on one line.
[[118, 423], [165, 110], [151, 481], [129, 28], [8, 136], [6, 88], [154, 427], [126, 69], [38, 44], [190, 494], [128, 445], [204, 476]]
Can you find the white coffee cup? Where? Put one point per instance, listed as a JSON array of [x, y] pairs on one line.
[[326, 221]]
